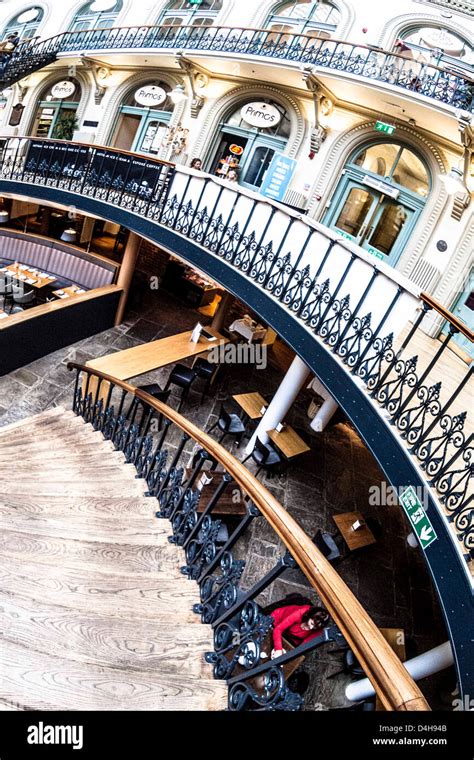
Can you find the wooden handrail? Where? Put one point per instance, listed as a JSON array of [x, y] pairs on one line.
[[451, 318], [390, 679], [248, 29]]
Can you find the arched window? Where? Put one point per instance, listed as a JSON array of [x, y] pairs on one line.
[[397, 164], [434, 44], [379, 198], [189, 13], [25, 23], [316, 18], [98, 14]]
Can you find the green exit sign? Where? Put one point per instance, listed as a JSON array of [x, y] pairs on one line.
[[387, 129], [194, 2], [418, 517]]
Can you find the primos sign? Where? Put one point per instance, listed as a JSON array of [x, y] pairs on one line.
[[150, 96], [62, 90], [261, 115]]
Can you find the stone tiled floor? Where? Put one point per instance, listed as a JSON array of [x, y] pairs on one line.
[[389, 579]]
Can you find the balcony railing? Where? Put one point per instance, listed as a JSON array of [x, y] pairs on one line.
[[171, 455], [355, 321], [356, 307], [441, 84]]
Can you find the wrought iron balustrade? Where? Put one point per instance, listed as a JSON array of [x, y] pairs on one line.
[[171, 455], [346, 301], [441, 84]]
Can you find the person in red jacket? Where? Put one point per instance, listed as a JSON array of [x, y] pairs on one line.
[[300, 622]]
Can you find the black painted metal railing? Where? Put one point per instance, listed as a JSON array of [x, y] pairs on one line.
[[172, 455], [441, 84], [324, 283]]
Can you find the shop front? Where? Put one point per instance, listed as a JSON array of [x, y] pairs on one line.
[[56, 113], [248, 139], [143, 119]]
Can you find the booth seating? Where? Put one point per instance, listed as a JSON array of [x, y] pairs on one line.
[[67, 264]]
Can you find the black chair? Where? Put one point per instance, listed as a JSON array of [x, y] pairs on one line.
[[183, 377], [326, 543], [157, 392], [230, 424], [204, 370], [265, 457]]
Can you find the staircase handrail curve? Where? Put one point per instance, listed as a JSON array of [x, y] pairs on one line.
[[390, 679], [455, 87], [447, 315], [441, 442]]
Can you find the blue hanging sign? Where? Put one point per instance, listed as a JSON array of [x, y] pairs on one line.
[[278, 177]]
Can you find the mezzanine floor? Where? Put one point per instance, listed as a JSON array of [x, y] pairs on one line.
[[389, 578]]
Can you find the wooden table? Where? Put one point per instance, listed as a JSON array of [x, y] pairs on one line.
[[39, 282], [227, 504], [288, 442], [150, 356], [70, 292], [355, 539], [251, 403]]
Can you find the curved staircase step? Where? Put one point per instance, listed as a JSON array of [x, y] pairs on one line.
[[153, 596], [103, 640], [43, 682], [87, 573]]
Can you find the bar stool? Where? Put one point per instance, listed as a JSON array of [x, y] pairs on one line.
[[183, 377], [206, 371]]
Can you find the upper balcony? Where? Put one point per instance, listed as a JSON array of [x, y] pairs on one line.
[[361, 75]]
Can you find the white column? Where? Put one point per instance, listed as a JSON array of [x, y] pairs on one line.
[[327, 408], [127, 268], [425, 664], [282, 401]]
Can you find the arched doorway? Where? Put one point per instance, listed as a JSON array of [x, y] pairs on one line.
[[25, 23], [379, 198], [99, 14], [143, 118], [56, 112], [247, 140]]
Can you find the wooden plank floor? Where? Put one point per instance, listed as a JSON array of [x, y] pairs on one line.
[[94, 612]]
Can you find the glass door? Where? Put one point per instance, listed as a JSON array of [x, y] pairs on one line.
[[354, 211], [384, 235], [150, 134], [372, 220]]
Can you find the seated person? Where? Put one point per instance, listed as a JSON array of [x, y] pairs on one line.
[[299, 622]]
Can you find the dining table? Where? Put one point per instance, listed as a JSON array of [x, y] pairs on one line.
[[29, 275], [69, 292]]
